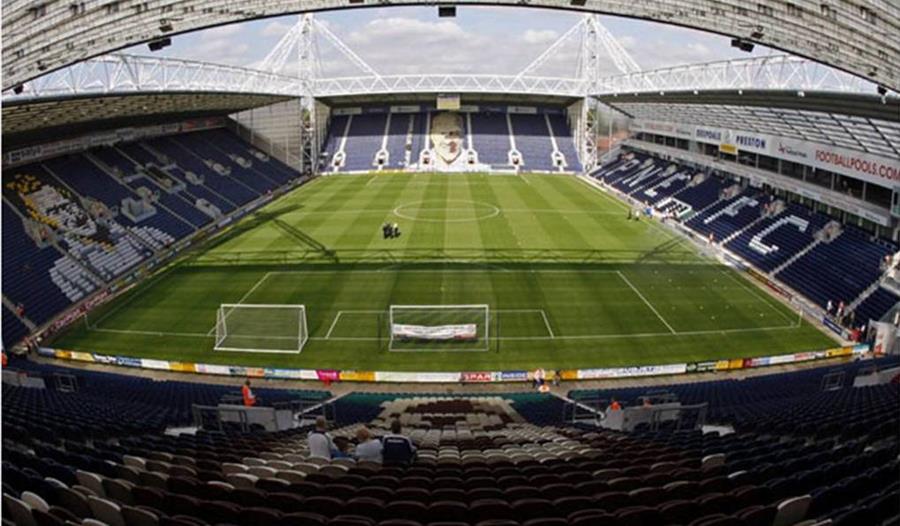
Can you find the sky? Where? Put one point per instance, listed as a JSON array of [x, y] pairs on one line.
[[502, 40]]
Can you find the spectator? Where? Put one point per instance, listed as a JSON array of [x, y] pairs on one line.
[[829, 306], [342, 448], [320, 442], [647, 402], [613, 405], [397, 448], [249, 397], [368, 448]]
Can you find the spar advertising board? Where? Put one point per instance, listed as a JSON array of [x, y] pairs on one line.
[[875, 169]]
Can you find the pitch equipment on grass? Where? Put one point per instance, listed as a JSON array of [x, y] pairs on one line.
[[261, 328], [439, 327]]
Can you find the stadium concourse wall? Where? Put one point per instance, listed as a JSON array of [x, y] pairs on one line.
[[334, 375]]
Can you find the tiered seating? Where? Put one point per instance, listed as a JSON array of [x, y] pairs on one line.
[[13, 329], [876, 305], [477, 461], [419, 140], [664, 188], [533, 141], [107, 248], [787, 236], [168, 401], [565, 142], [270, 167], [86, 178], [255, 181], [188, 159], [769, 402], [99, 247], [491, 138], [641, 179], [728, 216], [696, 197], [333, 138], [363, 141], [623, 168], [28, 273], [396, 143], [181, 206], [837, 271]]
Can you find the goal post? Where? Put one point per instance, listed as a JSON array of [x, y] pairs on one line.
[[439, 328], [261, 328]]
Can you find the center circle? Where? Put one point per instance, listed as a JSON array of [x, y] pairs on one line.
[[446, 211]]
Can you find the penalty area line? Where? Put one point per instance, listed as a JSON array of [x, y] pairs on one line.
[[646, 302], [244, 297], [547, 324], [333, 323]]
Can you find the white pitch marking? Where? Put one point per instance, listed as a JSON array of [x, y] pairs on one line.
[[547, 324], [501, 338], [636, 291], [244, 297], [333, 323], [757, 295]]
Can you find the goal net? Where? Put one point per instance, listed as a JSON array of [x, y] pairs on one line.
[[261, 328], [439, 328]]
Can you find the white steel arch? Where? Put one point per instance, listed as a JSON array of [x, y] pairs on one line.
[[861, 38], [120, 73], [773, 72]]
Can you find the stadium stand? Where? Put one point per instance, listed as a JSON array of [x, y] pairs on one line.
[[565, 142], [76, 205], [839, 270], [797, 453], [784, 239], [728, 216], [398, 130], [775, 239], [874, 306], [533, 141], [490, 137], [538, 137], [30, 272], [363, 141]]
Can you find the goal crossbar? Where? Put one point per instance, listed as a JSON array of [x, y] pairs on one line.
[[262, 328]]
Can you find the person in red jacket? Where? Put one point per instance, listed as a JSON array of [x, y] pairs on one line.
[[614, 405], [249, 397]]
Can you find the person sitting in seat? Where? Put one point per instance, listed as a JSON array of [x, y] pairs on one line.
[[397, 448], [368, 448], [320, 442]]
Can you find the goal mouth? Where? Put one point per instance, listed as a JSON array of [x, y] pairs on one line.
[[454, 328], [261, 328]]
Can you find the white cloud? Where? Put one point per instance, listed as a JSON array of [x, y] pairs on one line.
[[275, 29], [540, 36]]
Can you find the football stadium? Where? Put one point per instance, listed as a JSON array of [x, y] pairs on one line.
[[454, 263]]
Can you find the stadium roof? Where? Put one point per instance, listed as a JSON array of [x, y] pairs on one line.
[[866, 123], [43, 36], [29, 121]]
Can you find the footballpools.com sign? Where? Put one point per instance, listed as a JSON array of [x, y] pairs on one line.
[[875, 169]]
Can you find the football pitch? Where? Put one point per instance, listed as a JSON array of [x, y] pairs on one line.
[[568, 281]]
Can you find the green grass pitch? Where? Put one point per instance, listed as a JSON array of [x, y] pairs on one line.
[[570, 282]]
